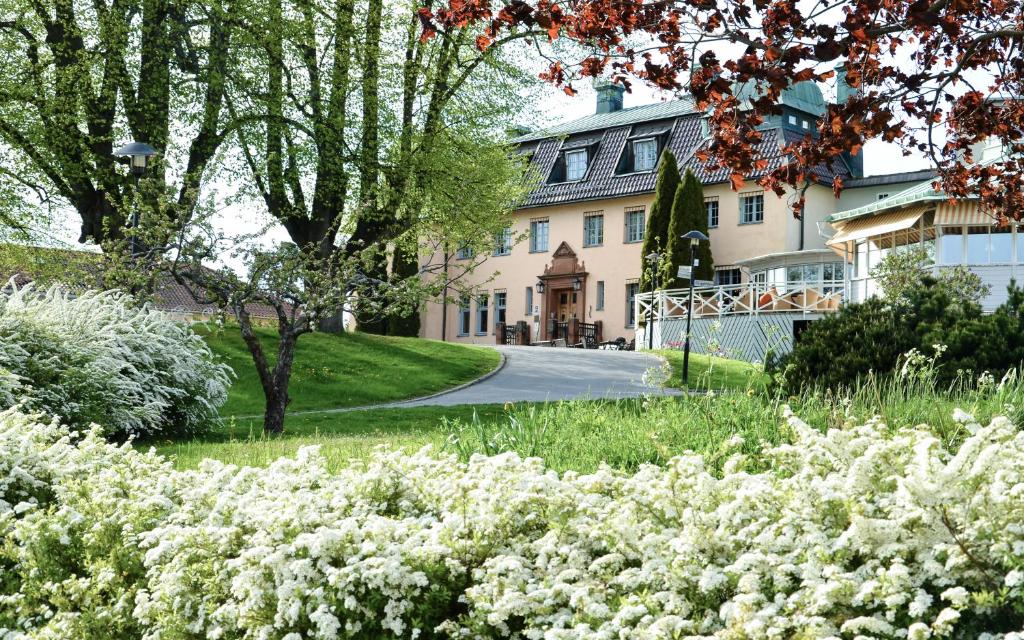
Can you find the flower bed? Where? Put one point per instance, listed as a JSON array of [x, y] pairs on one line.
[[857, 533]]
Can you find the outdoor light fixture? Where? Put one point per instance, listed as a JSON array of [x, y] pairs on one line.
[[577, 284], [540, 286], [653, 258], [139, 154], [695, 238]]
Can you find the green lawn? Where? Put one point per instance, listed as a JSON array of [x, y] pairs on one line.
[[341, 436], [351, 369], [713, 372]]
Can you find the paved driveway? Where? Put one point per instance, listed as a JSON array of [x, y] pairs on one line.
[[539, 373]]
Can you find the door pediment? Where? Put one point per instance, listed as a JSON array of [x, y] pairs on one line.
[[564, 261]]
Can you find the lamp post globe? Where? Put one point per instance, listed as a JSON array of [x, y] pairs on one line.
[[695, 237]]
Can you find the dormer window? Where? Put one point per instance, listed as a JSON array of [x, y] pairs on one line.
[[645, 154], [575, 165]]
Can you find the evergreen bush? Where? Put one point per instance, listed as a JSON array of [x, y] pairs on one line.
[[688, 214]]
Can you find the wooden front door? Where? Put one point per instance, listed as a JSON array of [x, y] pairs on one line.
[[566, 305]]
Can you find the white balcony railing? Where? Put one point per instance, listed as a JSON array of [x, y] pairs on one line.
[[751, 298]]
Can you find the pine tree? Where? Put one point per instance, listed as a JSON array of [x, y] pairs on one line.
[[688, 214], [656, 234]]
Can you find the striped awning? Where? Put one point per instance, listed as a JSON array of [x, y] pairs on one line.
[[962, 212], [861, 228]]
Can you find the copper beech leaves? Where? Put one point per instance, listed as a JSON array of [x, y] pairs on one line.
[[932, 77]]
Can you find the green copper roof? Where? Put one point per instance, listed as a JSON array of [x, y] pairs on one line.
[[622, 117], [918, 193], [803, 96]]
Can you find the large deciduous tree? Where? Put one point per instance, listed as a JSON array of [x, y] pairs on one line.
[[81, 78], [932, 76]]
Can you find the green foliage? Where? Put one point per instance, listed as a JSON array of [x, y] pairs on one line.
[[900, 273], [688, 214], [660, 215], [869, 338]]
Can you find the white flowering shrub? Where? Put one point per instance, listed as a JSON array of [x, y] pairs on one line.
[[853, 534], [98, 358]]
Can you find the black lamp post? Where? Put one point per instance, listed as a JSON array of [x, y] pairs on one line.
[[695, 238], [138, 154], [654, 259]]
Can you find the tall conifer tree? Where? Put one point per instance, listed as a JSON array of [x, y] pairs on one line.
[[688, 214], [656, 234]]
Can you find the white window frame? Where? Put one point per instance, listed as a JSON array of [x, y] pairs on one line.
[[599, 305], [643, 142], [641, 213], [572, 163], [632, 291], [589, 219], [482, 306], [718, 211], [503, 242], [753, 197], [534, 244], [464, 315], [529, 301], [500, 307]]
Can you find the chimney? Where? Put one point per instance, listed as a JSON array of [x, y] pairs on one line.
[[843, 93], [609, 96]]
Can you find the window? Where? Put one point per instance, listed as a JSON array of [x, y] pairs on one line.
[[538, 236], [600, 296], [711, 205], [860, 259], [575, 165], [481, 314], [1020, 243], [503, 242], [632, 289], [464, 315], [1002, 244], [635, 224], [728, 276], [951, 245], [752, 208], [645, 154], [805, 123], [529, 301], [464, 253], [883, 196], [593, 230], [792, 119], [500, 302]]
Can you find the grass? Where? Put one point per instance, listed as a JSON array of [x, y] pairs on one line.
[[351, 369], [341, 436], [713, 372]]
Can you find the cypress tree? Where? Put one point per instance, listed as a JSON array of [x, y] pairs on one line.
[[688, 214], [656, 234]]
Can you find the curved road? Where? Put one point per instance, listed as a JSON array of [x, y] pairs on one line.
[[536, 374]]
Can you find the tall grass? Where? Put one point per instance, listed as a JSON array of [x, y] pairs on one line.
[[581, 435]]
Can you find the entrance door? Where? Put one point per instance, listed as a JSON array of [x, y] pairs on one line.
[[566, 305]]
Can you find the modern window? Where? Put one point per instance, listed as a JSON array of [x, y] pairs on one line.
[[600, 296], [645, 154], [634, 225], [951, 245], [464, 316], [752, 208], [500, 304], [1001, 244], [539, 235], [593, 230], [481, 314], [792, 119], [529, 301], [632, 289], [711, 206], [503, 242], [728, 276], [464, 253], [805, 123], [575, 164]]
